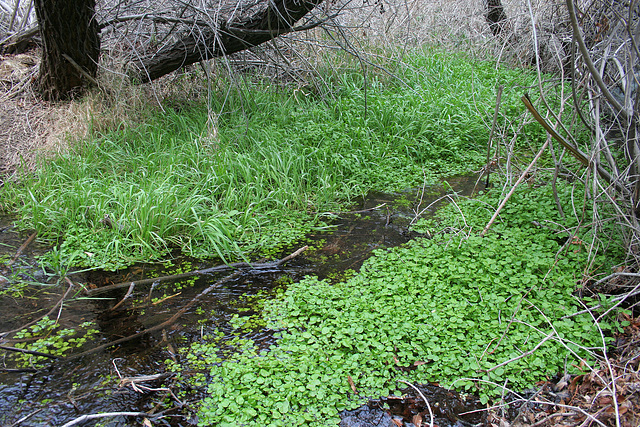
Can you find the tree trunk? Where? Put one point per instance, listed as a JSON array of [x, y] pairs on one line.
[[277, 18], [496, 16], [71, 47]]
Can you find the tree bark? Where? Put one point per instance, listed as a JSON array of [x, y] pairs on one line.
[[496, 16], [227, 37], [71, 47]]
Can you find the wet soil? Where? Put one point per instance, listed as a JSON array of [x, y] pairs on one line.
[[62, 390]]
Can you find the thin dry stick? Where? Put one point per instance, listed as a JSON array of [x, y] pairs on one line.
[[237, 265], [423, 398], [26, 417], [127, 295], [25, 351], [522, 177], [582, 157], [33, 322], [162, 325], [493, 129], [22, 248], [614, 393], [619, 300], [519, 398], [381, 205], [80, 69], [84, 418], [525, 354]]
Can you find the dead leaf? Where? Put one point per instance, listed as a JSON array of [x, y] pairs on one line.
[[147, 423], [352, 384], [606, 400], [417, 420], [397, 422], [563, 383]]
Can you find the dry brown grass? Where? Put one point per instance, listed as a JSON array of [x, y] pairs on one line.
[[31, 128]]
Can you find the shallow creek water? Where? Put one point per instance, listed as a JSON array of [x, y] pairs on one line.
[[66, 389]]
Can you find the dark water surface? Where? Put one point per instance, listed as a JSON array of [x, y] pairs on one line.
[[63, 390]]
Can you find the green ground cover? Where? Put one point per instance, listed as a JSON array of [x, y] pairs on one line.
[[446, 310], [281, 156]]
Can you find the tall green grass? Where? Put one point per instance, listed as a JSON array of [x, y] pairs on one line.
[[135, 193]]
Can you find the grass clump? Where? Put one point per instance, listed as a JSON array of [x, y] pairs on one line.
[[446, 310], [135, 193]]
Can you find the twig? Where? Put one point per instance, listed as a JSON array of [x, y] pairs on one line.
[[26, 417], [22, 248], [293, 255], [161, 300], [236, 266], [525, 354], [618, 298], [424, 398], [162, 325], [526, 401], [522, 177], [143, 378], [589, 63], [80, 69], [614, 393], [571, 148], [355, 212], [127, 295], [19, 370], [84, 418], [33, 322], [493, 128], [557, 414], [23, 350], [418, 214]]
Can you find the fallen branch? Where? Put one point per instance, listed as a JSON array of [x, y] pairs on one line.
[[22, 248], [582, 157], [33, 322], [513, 189], [219, 268], [23, 350], [224, 37], [162, 325]]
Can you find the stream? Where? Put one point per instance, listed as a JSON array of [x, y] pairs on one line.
[[63, 390]]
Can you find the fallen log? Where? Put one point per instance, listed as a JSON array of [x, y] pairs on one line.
[[275, 18]]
